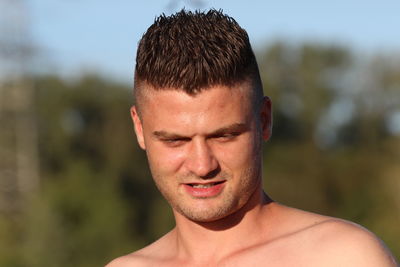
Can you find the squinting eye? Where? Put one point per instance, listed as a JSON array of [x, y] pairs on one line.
[[174, 142], [227, 137]]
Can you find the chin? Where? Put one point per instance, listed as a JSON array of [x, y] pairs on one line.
[[208, 215], [205, 219]]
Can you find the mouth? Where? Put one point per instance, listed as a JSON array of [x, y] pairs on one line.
[[205, 190], [205, 185]]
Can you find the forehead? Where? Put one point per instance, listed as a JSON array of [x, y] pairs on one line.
[[212, 95], [144, 92], [213, 106]]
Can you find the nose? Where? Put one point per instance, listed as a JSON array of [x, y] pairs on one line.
[[201, 160]]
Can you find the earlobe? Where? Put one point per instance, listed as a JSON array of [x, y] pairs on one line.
[[266, 118], [137, 123]]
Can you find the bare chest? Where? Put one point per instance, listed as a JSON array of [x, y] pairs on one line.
[[269, 255]]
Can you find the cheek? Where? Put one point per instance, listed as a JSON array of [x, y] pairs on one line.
[[163, 160], [238, 155]]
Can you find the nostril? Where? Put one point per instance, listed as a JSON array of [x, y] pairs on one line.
[[212, 173]]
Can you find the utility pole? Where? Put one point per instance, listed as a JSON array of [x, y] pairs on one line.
[[19, 171]]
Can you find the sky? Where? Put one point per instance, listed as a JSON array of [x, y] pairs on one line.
[[78, 36]]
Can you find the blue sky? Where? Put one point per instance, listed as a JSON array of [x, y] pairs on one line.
[[80, 35]]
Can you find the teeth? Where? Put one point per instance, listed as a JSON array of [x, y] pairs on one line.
[[202, 185]]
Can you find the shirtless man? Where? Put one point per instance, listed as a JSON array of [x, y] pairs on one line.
[[201, 117]]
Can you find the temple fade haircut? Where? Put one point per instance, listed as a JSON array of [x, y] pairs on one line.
[[193, 51]]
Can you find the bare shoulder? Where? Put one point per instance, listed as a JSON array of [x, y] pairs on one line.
[[150, 255], [138, 258], [128, 260], [331, 241], [337, 241], [347, 243]]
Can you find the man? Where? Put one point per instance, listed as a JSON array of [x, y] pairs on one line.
[[201, 117]]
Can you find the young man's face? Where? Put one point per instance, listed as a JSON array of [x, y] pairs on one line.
[[204, 151]]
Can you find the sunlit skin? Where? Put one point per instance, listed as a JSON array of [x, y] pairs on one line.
[[213, 140], [203, 140]]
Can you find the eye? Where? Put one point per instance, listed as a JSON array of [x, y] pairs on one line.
[[173, 142], [226, 136]]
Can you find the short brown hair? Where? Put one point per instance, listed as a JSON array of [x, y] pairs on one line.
[[192, 51]]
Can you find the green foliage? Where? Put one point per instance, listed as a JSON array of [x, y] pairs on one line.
[[78, 221], [97, 199]]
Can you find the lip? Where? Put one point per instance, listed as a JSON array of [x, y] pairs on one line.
[[214, 190]]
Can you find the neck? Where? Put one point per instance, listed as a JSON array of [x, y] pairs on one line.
[[215, 240]]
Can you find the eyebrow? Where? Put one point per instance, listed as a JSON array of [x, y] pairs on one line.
[[233, 128]]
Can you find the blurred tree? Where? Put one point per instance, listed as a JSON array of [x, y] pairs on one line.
[[329, 152], [302, 81]]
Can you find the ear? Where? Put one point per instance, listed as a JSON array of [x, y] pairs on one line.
[[137, 123], [266, 118]]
